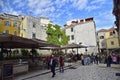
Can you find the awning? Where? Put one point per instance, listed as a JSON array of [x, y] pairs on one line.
[[73, 45], [45, 45], [12, 41]]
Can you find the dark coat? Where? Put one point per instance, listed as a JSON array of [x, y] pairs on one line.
[[53, 65], [109, 60]]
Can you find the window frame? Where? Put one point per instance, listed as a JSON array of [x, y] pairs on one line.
[[34, 25], [33, 35], [7, 23], [15, 24], [72, 37], [72, 29], [101, 37], [112, 43]]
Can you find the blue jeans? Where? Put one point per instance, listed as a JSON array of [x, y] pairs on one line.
[[61, 69]]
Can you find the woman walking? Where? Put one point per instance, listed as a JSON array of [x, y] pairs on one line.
[[61, 63]]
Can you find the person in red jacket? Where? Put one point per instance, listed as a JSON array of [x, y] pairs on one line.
[[61, 63]]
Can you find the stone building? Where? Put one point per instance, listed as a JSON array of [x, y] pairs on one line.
[[83, 32], [32, 27]]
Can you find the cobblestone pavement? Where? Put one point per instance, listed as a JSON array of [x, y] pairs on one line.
[[90, 72]]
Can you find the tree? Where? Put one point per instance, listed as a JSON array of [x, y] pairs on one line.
[[56, 35]]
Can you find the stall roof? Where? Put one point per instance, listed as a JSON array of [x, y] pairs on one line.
[[45, 44], [12, 41], [73, 45]]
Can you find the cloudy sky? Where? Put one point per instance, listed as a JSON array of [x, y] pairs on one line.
[[60, 11]]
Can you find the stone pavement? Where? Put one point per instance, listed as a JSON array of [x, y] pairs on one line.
[[89, 72], [42, 72]]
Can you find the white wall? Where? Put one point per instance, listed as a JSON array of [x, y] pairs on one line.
[[86, 34], [40, 27]]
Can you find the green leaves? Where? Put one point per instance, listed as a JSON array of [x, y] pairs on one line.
[[56, 35]]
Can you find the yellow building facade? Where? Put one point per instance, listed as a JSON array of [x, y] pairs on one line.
[[10, 24], [111, 37]]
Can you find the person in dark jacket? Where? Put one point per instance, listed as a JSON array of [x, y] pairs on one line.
[[53, 65], [109, 61]]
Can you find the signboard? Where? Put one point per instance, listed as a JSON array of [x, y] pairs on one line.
[[7, 71]]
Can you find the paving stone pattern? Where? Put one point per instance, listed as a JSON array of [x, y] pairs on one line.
[[90, 72]]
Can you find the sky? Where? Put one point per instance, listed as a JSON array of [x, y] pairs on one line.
[[61, 11]]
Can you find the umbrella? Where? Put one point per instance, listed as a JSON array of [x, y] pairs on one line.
[[73, 45]]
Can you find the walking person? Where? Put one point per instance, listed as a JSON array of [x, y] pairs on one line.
[[109, 61], [61, 63], [82, 59], [53, 65], [96, 59], [48, 61]]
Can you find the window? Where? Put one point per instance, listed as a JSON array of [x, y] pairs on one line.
[[7, 32], [7, 23], [33, 25], [33, 35], [112, 42], [111, 33], [15, 24], [72, 37], [101, 37], [72, 29], [15, 32]]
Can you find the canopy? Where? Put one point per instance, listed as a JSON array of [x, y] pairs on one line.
[[12, 41], [73, 45], [45, 44]]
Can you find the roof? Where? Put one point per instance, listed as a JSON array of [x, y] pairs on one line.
[[111, 29], [44, 44], [107, 30], [102, 30], [77, 22], [12, 41], [73, 45]]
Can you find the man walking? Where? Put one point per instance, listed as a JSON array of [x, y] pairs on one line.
[[53, 65], [109, 61]]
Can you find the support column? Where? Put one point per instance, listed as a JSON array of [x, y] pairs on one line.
[[1, 53]]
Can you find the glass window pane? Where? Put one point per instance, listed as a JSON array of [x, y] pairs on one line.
[[7, 23], [72, 37], [15, 24], [72, 29]]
